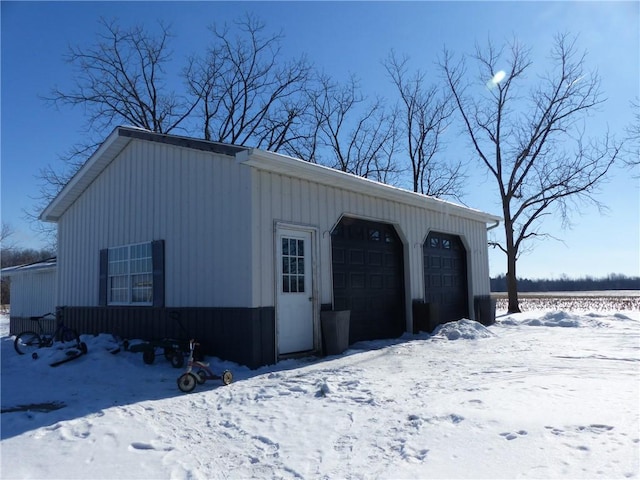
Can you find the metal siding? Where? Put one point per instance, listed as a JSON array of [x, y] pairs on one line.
[[286, 199], [242, 335], [198, 202], [33, 293]]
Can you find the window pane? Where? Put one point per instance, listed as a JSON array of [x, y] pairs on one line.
[[141, 291], [300, 266], [285, 283], [301, 248], [293, 265], [119, 289], [285, 265], [285, 246], [301, 283], [292, 248], [294, 284], [130, 272]]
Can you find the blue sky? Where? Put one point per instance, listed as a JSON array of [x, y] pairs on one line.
[[340, 38]]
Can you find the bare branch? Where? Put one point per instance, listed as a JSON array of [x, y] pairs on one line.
[[425, 114], [120, 79], [533, 143], [249, 94]]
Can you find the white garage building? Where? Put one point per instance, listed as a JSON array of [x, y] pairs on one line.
[[245, 248]]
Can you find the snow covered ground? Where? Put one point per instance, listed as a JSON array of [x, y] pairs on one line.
[[544, 394]]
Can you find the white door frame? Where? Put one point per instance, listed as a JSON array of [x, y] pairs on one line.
[[281, 228]]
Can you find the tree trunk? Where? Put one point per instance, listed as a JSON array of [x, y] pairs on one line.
[[512, 279], [512, 283]]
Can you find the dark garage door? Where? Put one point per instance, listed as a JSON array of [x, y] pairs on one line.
[[445, 276], [368, 278]]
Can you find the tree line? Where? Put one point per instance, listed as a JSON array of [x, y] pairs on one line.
[[565, 284], [525, 129]]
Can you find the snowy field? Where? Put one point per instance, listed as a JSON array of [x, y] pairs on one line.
[[543, 394]]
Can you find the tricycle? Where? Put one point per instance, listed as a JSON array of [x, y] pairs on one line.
[[189, 379]]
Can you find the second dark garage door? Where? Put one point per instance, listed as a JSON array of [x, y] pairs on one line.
[[368, 278], [445, 276]]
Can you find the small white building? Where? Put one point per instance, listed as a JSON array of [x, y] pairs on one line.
[[32, 291], [244, 248]]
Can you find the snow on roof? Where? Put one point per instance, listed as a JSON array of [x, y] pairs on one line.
[[44, 265]]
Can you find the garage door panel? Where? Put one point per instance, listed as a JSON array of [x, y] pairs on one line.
[[376, 282], [445, 275], [359, 304], [356, 257], [357, 280], [341, 303], [374, 291], [391, 260], [375, 258]]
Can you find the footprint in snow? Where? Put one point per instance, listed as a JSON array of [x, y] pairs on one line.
[[513, 436], [143, 446]]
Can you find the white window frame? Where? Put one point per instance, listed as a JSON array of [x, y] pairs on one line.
[[130, 274]]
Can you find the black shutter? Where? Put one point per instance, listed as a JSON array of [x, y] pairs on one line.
[[104, 272], [157, 258]]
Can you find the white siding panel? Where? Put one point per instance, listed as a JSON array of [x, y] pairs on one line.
[[285, 199], [33, 293], [197, 202]]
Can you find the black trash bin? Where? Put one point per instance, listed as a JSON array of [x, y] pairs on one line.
[[485, 309], [335, 331], [425, 316]]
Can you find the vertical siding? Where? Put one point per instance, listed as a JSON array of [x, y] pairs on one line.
[[286, 199], [198, 202], [33, 293], [217, 218]]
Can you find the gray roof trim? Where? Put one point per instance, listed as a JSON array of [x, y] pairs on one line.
[[187, 142]]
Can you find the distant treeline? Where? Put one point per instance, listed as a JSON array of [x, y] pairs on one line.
[[565, 284]]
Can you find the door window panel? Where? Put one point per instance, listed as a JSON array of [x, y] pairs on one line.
[[293, 265]]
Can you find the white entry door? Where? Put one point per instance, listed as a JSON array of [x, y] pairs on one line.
[[294, 291]]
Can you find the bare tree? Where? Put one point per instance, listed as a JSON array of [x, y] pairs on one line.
[[5, 233], [633, 137], [122, 79], [425, 113], [533, 143], [352, 135], [249, 94]]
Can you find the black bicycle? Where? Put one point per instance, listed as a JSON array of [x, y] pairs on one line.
[[30, 341]]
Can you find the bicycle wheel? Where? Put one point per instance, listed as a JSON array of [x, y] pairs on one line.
[[27, 342]]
